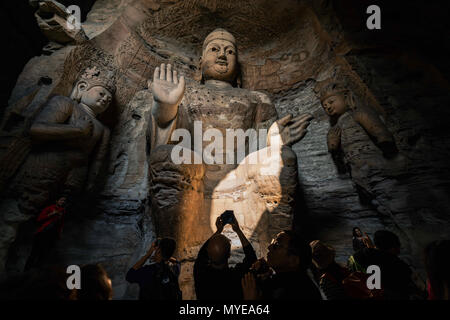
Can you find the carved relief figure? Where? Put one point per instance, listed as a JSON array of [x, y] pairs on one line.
[[68, 142], [187, 198], [358, 140]]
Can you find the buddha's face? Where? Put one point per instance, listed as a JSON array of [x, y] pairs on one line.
[[97, 98], [219, 61], [335, 105]]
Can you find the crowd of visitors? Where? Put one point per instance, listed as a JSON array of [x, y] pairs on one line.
[[293, 269]]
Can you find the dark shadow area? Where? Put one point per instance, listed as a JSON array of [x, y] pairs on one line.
[[23, 40]]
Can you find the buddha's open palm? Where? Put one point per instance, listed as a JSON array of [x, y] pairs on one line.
[[167, 88], [288, 130]]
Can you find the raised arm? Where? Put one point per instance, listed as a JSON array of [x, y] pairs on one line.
[[168, 91], [373, 125], [133, 275], [250, 255], [202, 257], [141, 261]]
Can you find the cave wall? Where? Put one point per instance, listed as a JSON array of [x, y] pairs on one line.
[[285, 49], [403, 67]]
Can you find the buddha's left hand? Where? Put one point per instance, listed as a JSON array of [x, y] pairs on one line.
[[288, 130]]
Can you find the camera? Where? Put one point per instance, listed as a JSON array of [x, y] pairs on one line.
[[227, 217]]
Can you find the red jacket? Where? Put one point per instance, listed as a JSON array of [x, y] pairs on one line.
[[46, 219], [431, 295]]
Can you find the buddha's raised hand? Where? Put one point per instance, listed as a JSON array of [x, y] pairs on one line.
[[167, 88]]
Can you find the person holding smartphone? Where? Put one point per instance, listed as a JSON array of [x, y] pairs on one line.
[[214, 278], [159, 279]]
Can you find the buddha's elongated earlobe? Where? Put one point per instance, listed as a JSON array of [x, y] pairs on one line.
[[350, 99], [78, 90], [82, 86]]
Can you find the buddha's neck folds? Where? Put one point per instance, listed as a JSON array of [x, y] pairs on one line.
[[218, 84]]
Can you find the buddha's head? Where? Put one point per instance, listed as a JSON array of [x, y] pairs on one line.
[[219, 57], [335, 99], [94, 90]]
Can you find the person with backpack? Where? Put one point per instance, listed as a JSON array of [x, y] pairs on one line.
[[159, 279]]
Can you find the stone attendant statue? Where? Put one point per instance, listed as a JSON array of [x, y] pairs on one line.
[[358, 140], [68, 143], [187, 198]]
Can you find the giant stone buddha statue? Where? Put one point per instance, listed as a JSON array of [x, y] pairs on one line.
[[187, 197]]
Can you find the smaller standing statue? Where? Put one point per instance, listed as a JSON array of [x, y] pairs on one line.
[[68, 143], [358, 140]]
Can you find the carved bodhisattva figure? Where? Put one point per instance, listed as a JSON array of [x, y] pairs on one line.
[[358, 140], [187, 198], [69, 143]]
